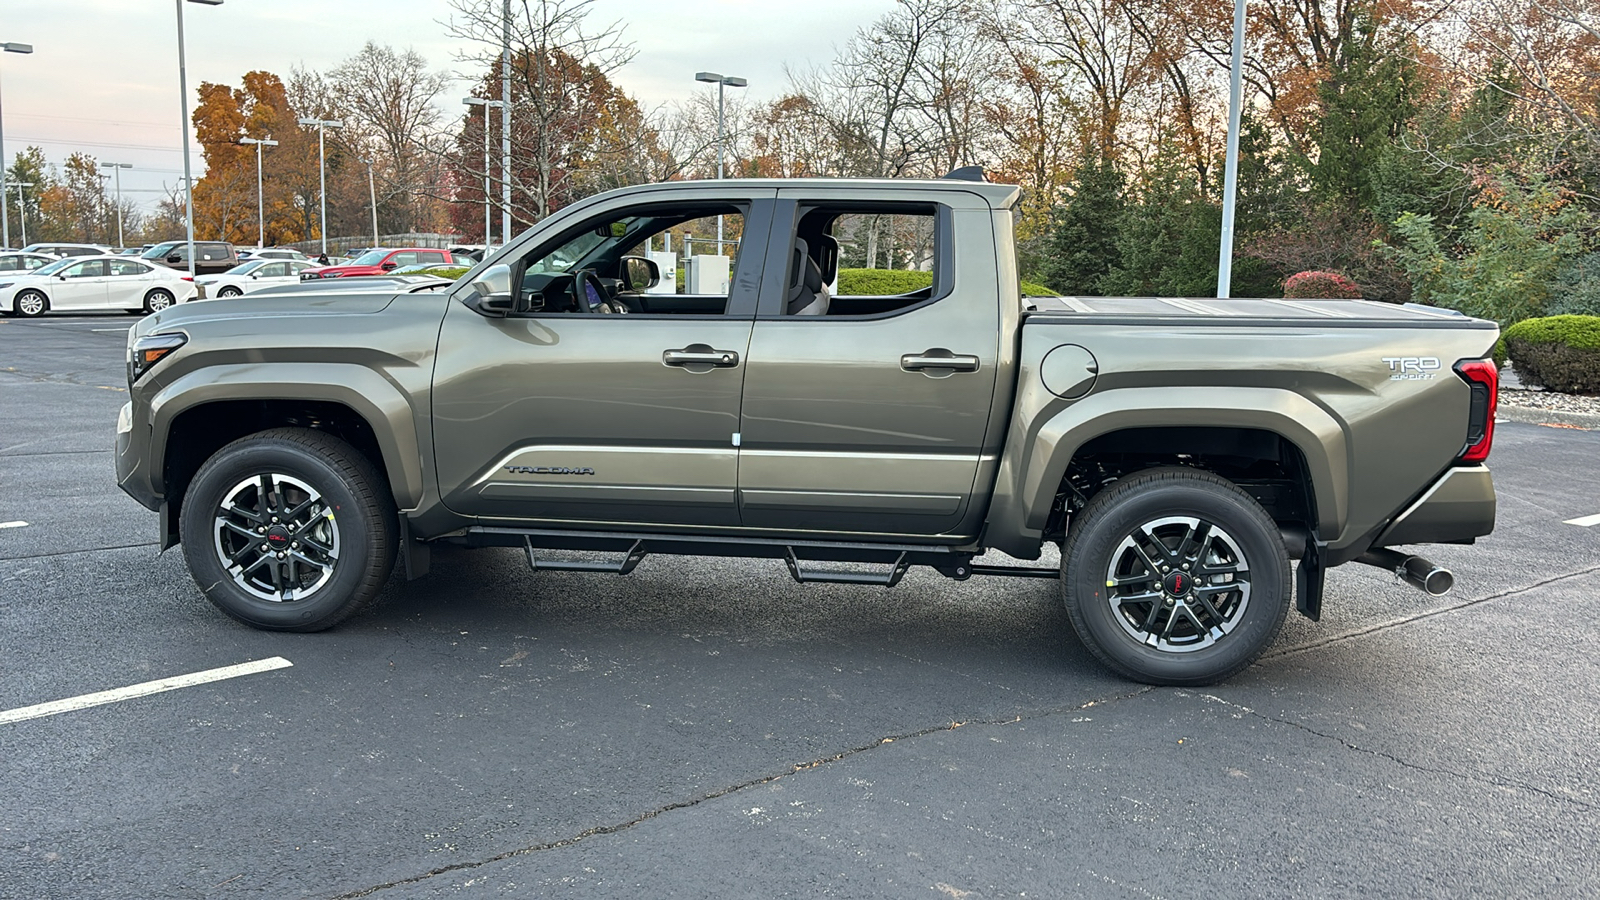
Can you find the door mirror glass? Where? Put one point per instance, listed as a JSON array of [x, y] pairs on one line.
[[640, 273]]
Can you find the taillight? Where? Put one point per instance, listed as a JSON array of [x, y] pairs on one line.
[[1484, 379]]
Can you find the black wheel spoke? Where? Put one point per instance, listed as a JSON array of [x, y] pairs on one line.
[[1147, 597]]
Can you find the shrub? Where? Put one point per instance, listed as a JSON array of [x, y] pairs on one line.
[[889, 282], [1559, 352], [1576, 290], [1320, 286]]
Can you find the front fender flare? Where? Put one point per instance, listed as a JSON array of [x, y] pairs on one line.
[[363, 390], [1036, 456]]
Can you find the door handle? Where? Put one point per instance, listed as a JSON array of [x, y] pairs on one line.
[[938, 358], [700, 355]]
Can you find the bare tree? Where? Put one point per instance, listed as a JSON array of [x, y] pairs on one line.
[[387, 102]]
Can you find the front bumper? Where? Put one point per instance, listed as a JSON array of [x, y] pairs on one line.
[[132, 474], [1457, 508]]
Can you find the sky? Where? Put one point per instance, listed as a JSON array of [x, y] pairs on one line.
[[103, 77]]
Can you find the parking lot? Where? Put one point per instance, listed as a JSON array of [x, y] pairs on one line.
[[708, 727]]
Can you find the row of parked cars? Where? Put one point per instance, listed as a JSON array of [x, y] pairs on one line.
[[84, 277]]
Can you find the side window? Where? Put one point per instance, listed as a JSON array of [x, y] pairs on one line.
[[595, 264], [275, 270], [436, 257], [33, 262], [866, 260], [10, 263], [88, 269], [403, 259], [127, 267]]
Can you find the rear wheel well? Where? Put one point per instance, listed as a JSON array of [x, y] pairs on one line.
[[1265, 465], [198, 433]]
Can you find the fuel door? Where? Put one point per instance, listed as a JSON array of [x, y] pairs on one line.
[[1069, 371]]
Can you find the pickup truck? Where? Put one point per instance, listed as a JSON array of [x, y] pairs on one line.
[[564, 396]]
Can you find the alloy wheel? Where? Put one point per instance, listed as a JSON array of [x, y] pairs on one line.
[[1178, 584], [277, 537]]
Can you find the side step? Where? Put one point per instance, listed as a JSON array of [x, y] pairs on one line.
[[951, 562]]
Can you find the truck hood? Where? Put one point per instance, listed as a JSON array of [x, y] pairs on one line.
[[1303, 312], [275, 306]]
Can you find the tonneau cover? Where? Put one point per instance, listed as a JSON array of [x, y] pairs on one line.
[[1210, 310]]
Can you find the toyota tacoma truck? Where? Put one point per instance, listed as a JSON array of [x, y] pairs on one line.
[[1200, 463]]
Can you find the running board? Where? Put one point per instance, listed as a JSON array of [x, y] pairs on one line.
[[951, 562]]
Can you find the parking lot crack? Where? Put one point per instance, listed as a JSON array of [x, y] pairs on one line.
[[601, 830], [1425, 614], [1469, 777]]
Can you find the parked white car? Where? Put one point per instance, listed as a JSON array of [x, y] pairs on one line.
[[17, 263], [252, 276], [270, 253], [60, 251], [80, 284]]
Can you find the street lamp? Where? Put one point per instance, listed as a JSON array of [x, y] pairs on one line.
[[183, 98], [372, 194], [487, 105], [116, 170], [261, 205], [22, 205], [322, 171], [5, 223], [722, 82]]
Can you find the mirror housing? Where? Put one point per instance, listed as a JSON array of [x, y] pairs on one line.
[[640, 273], [174, 258], [490, 293], [389, 265]]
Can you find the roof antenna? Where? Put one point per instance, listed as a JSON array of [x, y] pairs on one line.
[[967, 173]]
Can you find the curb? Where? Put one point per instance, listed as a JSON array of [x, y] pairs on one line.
[[1532, 416]]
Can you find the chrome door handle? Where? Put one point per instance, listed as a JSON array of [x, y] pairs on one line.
[[700, 355], [938, 358]]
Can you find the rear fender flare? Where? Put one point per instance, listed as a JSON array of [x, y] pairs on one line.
[[1031, 475]]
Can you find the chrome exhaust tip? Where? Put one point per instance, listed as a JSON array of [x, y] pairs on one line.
[[1421, 574]]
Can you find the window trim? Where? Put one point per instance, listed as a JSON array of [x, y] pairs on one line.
[[774, 296], [744, 283]]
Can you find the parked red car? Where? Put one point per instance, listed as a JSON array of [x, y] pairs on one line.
[[377, 262]]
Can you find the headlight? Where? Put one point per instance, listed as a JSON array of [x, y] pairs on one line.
[[6, 284], [149, 350]]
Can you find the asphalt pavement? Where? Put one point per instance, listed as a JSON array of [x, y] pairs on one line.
[[709, 728]]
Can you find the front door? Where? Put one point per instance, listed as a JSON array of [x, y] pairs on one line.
[[596, 402], [83, 286], [871, 376]]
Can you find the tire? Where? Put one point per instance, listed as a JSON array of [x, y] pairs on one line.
[[338, 534], [157, 300], [1161, 627], [30, 304], [229, 291]]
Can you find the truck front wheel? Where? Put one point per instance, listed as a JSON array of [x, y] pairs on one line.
[[289, 530], [1175, 577]]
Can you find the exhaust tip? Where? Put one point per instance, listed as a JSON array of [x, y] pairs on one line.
[[1438, 582]]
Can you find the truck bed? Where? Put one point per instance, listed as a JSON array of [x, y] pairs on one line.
[[1244, 311]]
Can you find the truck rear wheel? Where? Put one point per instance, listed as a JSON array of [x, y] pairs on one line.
[[1175, 577], [289, 530]]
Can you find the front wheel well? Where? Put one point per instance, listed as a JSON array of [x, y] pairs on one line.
[[198, 433], [1264, 464]]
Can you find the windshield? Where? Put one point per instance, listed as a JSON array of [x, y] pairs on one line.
[[564, 257], [370, 258], [160, 250], [246, 268], [56, 266]]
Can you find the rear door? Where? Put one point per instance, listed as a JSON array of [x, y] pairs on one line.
[[563, 413], [129, 281], [874, 416]]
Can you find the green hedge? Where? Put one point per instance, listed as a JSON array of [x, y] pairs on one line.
[[890, 282], [1559, 352]]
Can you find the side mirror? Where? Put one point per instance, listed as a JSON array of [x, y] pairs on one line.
[[174, 258], [640, 273], [389, 265], [490, 293]]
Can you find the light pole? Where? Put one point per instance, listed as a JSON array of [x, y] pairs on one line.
[[487, 105], [722, 82], [1230, 179], [22, 205], [116, 170], [261, 203], [322, 172], [5, 223], [183, 97], [505, 128], [372, 194]]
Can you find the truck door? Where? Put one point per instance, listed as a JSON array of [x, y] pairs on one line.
[[867, 394], [595, 401]]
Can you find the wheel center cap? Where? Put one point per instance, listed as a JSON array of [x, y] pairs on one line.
[[1177, 583], [278, 536]]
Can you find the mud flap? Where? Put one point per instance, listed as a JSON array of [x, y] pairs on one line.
[[414, 554], [1308, 579]]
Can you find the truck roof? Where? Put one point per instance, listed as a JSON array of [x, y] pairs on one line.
[[1000, 196]]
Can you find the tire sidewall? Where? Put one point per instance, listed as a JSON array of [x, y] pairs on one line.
[[44, 304], [1089, 555], [149, 300], [358, 545], [229, 291]]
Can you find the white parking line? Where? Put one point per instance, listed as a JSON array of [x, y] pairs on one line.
[[1585, 521], [142, 690], [16, 524]]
